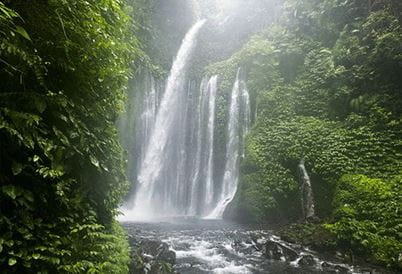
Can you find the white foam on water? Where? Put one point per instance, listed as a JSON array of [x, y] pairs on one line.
[[232, 268], [207, 253]]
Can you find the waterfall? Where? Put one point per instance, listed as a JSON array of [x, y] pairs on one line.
[[239, 120], [160, 173], [177, 133], [202, 169], [195, 174], [174, 144], [307, 200], [246, 115], [209, 185], [136, 124], [147, 118]]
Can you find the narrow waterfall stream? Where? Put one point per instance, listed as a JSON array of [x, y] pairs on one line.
[[307, 199], [209, 184], [239, 120]]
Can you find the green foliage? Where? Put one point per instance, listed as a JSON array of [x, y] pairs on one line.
[[64, 69], [325, 86], [367, 217], [159, 26], [100, 252], [309, 234]]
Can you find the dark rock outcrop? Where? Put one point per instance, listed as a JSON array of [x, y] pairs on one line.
[[334, 267], [150, 256], [277, 251], [307, 260]]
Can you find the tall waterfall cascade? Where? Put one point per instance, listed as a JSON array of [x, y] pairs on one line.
[[175, 162], [238, 126]]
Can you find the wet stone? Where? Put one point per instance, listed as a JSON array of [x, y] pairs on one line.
[[307, 260], [259, 244], [168, 256], [334, 267], [221, 248], [149, 256], [278, 251]]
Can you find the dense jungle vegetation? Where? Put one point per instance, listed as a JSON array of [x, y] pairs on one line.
[[64, 69], [326, 85], [326, 82]]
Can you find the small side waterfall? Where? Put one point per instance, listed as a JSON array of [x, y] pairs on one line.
[[239, 122], [307, 199]]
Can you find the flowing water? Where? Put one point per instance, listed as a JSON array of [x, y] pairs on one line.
[[307, 200], [174, 168], [216, 246], [162, 166], [171, 139], [239, 121]]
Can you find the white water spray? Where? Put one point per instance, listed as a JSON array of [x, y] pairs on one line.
[[209, 185], [239, 120], [149, 198]]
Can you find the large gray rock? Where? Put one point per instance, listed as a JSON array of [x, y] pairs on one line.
[[151, 256], [307, 260], [334, 267], [277, 251], [166, 255]]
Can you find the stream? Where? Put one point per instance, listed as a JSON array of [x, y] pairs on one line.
[[216, 246]]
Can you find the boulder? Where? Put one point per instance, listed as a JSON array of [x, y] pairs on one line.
[[277, 251], [168, 256], [334, 267], [307, 260], [150, 256]]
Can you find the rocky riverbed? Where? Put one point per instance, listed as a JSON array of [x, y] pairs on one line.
[[195, 246]]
